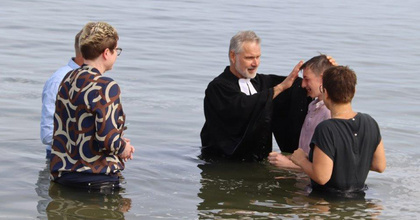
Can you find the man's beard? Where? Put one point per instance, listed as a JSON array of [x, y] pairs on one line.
[[246, 73]]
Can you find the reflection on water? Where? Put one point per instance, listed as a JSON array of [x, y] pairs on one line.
[[172, 49], [42, 188], [266, 192], [61, 202]]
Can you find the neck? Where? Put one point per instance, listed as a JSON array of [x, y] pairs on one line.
[[343, 111], [78, 59], [96, 64], [236, 73]]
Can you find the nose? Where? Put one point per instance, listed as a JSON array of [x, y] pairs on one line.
[[256, 61]]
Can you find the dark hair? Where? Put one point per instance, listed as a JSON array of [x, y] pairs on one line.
[[317, 64], [340, 82]]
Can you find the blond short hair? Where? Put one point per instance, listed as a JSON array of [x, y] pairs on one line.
[[95, 38]]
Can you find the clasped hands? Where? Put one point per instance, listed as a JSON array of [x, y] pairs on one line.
[[128, 150], [298, 157], [281, 161]]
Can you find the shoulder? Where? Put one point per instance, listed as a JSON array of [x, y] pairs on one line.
[[71, 64], [109, 86], [59, 74], [269, 77], [62, 71], [93, 74], [55, 79], [105, 82], [326, 113], [323, 136], [325, 125], [365, 116], [265, 76], [367, 120], [223, 81], [106, 90], [106, 79]]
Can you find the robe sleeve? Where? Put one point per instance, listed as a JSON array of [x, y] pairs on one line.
[[231, 115], [289, 111], [233, 105]]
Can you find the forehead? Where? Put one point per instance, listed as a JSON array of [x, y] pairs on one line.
[[308, 73], [251, 47]]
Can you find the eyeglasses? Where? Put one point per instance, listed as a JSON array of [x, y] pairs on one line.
[[321, 89], [119, 50]]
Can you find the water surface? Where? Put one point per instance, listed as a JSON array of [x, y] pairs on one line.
[[171, 50]]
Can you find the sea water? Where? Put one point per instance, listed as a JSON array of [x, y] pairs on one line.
[[171, 50]]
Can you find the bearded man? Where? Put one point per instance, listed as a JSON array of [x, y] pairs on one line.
[[243, 108]]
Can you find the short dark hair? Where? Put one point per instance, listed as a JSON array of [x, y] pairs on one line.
[[340, 82], [317, 64]]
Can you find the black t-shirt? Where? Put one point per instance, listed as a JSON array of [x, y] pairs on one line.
[[350, 143]]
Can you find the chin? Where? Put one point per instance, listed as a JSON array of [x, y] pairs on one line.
[[251, 75], [312, 95]]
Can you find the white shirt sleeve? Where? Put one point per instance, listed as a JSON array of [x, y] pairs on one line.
[[49, 95], [48, 108]]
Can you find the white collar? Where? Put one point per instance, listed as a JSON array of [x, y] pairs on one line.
[[246, 86]]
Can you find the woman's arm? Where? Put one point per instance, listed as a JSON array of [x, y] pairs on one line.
[[379, 160], [281, 161], [320, 170]]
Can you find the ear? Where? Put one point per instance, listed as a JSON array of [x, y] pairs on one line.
[[326, 96], [106, 53], [319, 77], [232, 57]]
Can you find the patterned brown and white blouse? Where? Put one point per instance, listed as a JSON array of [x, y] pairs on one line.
[[88, 125]]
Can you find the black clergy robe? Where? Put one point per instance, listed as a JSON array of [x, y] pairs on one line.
[[240, 126]]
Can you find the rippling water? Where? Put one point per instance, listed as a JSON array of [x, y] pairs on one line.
[[171, 50]]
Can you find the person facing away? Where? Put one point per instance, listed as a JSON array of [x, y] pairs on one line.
[[49, 94], [317, 111], [238, 106], [89, 149], [345, 147]]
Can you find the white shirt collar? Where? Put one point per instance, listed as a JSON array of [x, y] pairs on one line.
[[246, 86]]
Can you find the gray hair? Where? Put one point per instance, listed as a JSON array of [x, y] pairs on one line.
[[242, 36], [76, 42]]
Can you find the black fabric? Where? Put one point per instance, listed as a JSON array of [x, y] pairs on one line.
[[350, 143], [89, 181], [289, 111], [240, 126]]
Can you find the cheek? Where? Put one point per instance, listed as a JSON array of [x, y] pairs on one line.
[[246, 63], [313, 86], [243, 64]]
